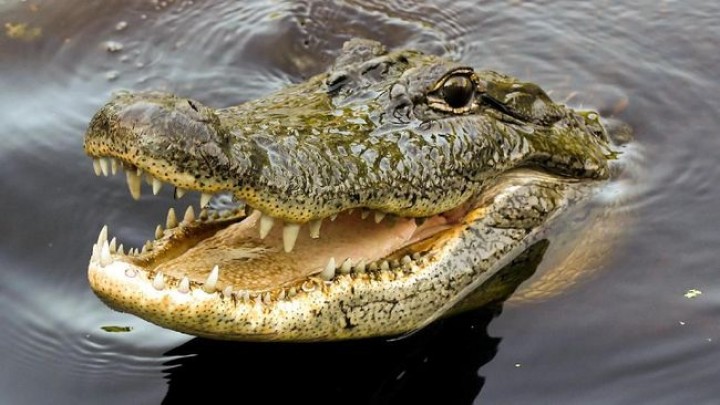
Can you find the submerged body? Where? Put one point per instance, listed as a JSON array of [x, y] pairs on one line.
[[376, 196]]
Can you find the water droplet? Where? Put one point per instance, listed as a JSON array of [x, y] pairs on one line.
[[112, 75], [113, 46]]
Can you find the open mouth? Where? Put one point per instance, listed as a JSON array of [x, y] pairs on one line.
[[231, 249]]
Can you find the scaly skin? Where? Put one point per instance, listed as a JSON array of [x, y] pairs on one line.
[[490, 159]]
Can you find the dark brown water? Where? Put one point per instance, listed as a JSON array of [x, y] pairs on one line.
[[628, 335]]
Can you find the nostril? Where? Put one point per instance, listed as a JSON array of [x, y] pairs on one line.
[[192, 105]]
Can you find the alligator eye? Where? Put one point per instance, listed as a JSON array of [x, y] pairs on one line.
[[457, 91]]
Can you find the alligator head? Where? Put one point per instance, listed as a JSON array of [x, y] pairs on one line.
[[372, 196]]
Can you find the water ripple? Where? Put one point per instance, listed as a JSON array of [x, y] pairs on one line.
[[76, 346]]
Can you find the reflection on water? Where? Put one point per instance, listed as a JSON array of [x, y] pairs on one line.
[[425, 368], [421, 368], [628, 335]]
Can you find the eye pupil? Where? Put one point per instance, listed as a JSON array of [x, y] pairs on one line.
[[457, 91]]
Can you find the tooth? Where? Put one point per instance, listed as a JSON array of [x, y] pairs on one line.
[[364, 214], [211, 282], [144, 250], [267, 298], [113, 245], [379, 216], [281, 295], [360, 266], [139, 172], [243, 295], [315, 228], [333, 217], [179, 192], [134, 183], [266, 224], [95, 252], [113, 166], [184, 286], [189, 214], [104, 166], [205, 199], [373, 266], [290, 234], [158, 232], [384, 266], [416, 255], [159, 281], [346, 266], [121, 249], [103, 235], [156, 185], [105, 258], [148, 245], [227, 292], [309, 285], [406, 259], [96, 166], [329, 271], [171, 221]]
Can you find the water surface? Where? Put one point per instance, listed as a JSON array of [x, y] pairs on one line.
[[628, 334]]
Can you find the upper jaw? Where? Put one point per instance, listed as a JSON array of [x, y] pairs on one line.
[[193, 147]]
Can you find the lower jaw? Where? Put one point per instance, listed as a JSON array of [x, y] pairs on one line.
[[290, 311]]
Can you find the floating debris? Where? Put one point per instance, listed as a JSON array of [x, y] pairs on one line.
[[22, 31], [116, 329], [693, 293]]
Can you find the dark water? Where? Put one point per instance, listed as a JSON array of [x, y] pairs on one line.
[[628, 335]]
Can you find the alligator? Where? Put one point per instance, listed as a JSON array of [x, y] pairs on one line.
[[366, 201]]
